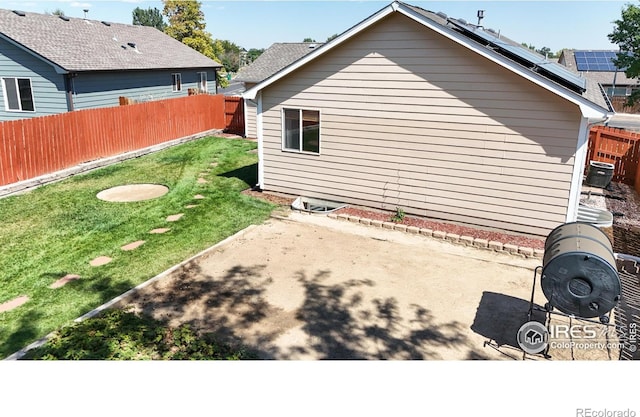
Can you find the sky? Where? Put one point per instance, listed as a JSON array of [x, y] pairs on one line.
[[576, 24]]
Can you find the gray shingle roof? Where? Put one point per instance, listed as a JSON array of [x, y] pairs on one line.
[[276, 57], [568, 59], [91, 45]]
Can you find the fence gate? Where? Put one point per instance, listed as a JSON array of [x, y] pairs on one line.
[[617, 147], [234, 115]]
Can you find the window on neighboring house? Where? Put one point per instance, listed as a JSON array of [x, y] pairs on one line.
[[618, 91], [18, 95], [176, 82], [202, 82], [301, 130]]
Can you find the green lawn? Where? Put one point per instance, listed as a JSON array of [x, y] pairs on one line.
[[57, 229]]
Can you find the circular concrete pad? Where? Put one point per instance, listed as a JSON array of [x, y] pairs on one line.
[[132, 192]]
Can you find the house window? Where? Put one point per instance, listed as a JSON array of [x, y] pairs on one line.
[[202, 82], [301, 130], [18, 95], [176, 82], [618, 91]]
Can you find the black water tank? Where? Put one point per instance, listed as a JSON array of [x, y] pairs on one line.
[[599, 174], [579, 274]]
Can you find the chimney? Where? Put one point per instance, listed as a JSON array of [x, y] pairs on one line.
[[480, 16]]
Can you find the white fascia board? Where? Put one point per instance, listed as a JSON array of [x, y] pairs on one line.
[[578, 168], [590, 110], [260, 138], [251, 93], [56, 67]]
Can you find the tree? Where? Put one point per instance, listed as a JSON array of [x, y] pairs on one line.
[[186, 24], [626, 34], [253, 54], [230, 56], [546, 52], [56, 12], [149, 17], [308, 40], [332, 37]]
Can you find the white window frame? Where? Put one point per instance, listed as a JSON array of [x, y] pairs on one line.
[[299, 150], [6, 98], [202, 82], [176, 82]]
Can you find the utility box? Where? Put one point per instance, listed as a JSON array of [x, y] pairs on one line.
[[599, 174]]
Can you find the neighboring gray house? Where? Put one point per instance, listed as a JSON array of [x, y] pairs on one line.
[[412, 109], [597, 66], [276, 57], [51, 64]]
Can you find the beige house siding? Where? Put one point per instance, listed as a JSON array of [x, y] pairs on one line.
[[411, 119], [250, 119]]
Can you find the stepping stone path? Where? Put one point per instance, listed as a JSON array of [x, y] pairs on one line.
[[191, 206], [64, 280], [15, 303], [133, 245], [174, 217], [202, 181], [214, 164], [100, 260], [198, 196], [160, 230]]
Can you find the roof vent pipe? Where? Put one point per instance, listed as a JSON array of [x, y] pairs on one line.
[[131, 44], [19, 12], [480, 16]]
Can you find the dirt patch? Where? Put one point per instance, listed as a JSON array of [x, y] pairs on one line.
[[317, 288]]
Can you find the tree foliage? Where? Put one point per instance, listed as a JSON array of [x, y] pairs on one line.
[[149, 17], [187, 24], [230, 56], [309, 40], [626, 34], [253, 54]]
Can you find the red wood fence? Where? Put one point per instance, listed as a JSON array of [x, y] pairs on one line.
[[42, 145], [234, 115], [618, 147]]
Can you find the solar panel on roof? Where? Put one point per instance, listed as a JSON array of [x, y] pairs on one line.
[[538, 62], [595, 60]]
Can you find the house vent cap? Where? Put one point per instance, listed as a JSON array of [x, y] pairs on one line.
[[19, 12]]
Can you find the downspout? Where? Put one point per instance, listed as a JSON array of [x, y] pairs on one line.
[[578, 167], [260, 143], [68, 87]]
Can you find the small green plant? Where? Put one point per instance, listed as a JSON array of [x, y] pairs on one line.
[[399, 216]]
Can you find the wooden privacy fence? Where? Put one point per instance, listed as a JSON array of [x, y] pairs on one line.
[[42, 145], [234, 115], [618, 147]]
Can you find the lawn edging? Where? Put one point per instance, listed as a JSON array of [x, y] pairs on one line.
[[522, 251], [7, 190], [19, 354]]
